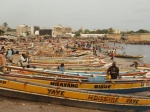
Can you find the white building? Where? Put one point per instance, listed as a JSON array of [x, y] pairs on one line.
[[92, 35], [116, 31], [33, 29], [23, 30]]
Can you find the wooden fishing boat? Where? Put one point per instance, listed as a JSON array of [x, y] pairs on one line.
[[127, 56], [29, 71], [113, 86], [73, 97], [109, 86], [143, 68]]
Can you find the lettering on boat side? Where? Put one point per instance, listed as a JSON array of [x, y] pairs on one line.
[[102, 86], [132, 101], [64, 84], [56, 92], [2, 81], [146, 84], [103, 98]]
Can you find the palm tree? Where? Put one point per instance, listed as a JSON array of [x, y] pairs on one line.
[[5, 24]]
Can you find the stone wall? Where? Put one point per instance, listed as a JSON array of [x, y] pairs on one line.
[[139, 38], [114, 36], [143, 38]]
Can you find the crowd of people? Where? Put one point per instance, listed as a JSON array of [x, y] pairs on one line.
[[14, 57]]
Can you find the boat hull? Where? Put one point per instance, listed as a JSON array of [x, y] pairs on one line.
[[69, 102], [109, 87]]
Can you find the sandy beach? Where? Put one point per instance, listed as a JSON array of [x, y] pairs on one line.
[[17, 105]]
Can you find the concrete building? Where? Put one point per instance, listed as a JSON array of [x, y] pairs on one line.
[[23, 30], [116, 31], [33, 29], [67, 30], [59, 31], [92, 35], [44, 32]]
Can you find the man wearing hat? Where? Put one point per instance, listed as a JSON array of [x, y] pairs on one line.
[[113, 71]]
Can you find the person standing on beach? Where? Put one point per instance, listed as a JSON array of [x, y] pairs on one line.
[[135, 64], [113, 71], [2, 61], [112, 55]]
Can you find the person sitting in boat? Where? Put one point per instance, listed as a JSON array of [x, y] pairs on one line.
[[9, 53], [61, 50], [135, 64], [15, 59], [24, 60], [61, 67], [113, 71]]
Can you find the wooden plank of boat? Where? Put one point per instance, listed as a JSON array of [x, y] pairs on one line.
[[143, 68], [32, 71], [70, 65], [59, 74], [122, 87], [79, 75], [73, 97]]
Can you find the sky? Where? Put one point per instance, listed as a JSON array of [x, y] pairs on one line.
[[88, 14]]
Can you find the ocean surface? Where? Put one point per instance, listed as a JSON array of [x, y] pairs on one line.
[[131, 49]]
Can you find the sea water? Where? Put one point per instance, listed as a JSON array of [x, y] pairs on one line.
[[131, 49]]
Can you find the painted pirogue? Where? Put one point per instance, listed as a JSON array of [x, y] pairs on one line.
[[66, 61], [72, 97], [127, 56], [122, 86]]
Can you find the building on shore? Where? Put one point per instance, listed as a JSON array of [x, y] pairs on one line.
[[33, 29], [116, 31], [23, 30], [44, 32], [92, 35], [59, 31]]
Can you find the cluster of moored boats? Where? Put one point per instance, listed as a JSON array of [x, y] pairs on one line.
[[82, 84]]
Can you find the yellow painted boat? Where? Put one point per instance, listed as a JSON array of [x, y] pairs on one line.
[[73, 97], [109, 86]]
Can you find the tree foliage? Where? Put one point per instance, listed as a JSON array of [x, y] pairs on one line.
[[98, 31], [86, 31], [1, 32], [5, 24], [78, 33], [110, 30], [142, 31]]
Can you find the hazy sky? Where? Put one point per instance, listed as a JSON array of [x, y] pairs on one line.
[[90, 14]]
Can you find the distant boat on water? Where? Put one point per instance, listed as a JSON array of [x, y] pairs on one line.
[[128, 56]]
